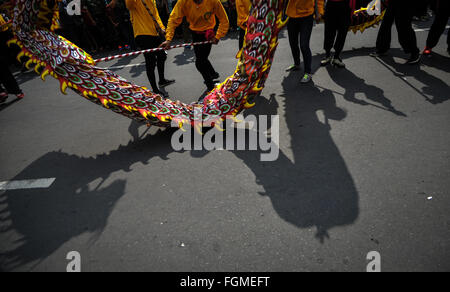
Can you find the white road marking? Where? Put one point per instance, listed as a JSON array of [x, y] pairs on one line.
[[42, 183], [427, 29]]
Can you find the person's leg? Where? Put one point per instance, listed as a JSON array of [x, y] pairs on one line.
[[145, 42], [6, 77], [161, 57], [448, 42], [343, 24], [385, 33], [241, 38], [293, 32], [201, 59], [8, 80], [438, 27], [306, 27], [330, 27], [406, 34]]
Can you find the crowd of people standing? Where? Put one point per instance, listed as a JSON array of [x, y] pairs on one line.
[[146, 24]]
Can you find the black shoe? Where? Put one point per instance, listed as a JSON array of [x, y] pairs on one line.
[[337, 62], [211, 86], [378, 54], [215, 76], [162, 94], [165, 82], [414, 59]]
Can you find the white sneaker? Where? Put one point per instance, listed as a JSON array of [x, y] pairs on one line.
[[306, 78]]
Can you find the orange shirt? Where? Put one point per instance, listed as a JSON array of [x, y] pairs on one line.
[[143, 23], [243, 10], [304, 8], [201, 17]]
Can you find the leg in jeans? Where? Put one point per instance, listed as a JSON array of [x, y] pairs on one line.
[[201, 59], [330, 27], [385, 33], [294, 31], [306, 27], [343, 24]]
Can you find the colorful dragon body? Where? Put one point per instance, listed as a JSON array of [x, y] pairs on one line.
[[53, 55]]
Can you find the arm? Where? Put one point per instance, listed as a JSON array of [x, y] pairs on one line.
[[157, 17], [242, 11], [112, 4], [176, 18], [224, 23], [319, 9], [131, 4]]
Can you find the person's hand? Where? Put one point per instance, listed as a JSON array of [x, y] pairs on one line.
[[165, 45], [318, 16], [215, 41], [112, 4]]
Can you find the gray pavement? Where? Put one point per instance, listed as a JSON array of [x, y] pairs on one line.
[[364, 166]]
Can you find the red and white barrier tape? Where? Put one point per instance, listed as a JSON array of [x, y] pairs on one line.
[[106, 59]]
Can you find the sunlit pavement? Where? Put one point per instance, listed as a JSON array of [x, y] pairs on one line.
[[364, 166]]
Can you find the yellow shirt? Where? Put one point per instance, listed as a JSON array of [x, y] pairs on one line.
[[201, 17], [303, 8], [143, 23], [243, 10]]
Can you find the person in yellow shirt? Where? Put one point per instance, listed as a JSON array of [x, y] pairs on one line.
[[146, 23], [243, 11], [201, 15], [302, 14]]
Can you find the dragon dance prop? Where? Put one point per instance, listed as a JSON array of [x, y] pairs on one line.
[[50, 54]]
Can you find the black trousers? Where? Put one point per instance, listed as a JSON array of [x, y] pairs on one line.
[[439, 24], [6, 78], [202, 62], [384, 37], [153, 60], [401, 12], [337, 23], [301, 27], [242, 33]]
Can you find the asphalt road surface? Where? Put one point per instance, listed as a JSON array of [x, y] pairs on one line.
[[364, 166]]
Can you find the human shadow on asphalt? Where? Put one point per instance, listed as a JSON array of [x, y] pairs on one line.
[[315, 189], [122, 61], [187, 56], [354, 84], [435, 91], [80, 200]]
